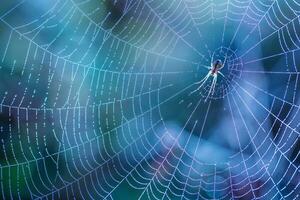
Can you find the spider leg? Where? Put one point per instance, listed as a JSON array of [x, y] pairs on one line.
[[212, 57], [206, 66], [203, 81], [221, 74], [225, 61], [212, 87], [215, 83]]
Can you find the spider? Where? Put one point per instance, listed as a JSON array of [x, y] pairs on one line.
[[214, 70]]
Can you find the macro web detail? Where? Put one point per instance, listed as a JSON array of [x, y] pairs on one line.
[[228, 68], [104, 99]]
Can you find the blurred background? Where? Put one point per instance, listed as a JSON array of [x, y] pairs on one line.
[[103, 99]]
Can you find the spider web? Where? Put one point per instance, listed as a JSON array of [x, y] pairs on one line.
[[97, 103]]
